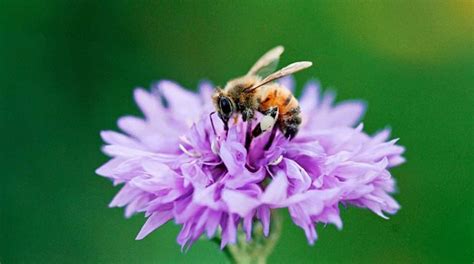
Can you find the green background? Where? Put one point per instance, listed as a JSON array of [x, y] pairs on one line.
[[67, 70]]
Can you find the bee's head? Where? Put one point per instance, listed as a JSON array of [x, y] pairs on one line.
[[224, 105]]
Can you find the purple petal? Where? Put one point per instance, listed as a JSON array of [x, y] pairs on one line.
[[125, 196], [276, 192], [108, 168], [115, 138], [207, 197], [149, 104], [239, 203], [264, 214], [229, 232], [299, 179], [233, 155], [347, 113], [247, 226], [133, 126], [212, 223], [206, 89], [178, 97], [154, 221], [310, 97]]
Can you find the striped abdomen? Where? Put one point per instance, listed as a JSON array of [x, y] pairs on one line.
[[289, 117]]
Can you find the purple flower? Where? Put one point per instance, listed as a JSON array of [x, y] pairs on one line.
[[172, 166]]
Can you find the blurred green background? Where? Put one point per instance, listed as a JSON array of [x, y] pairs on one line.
[[67, 70]]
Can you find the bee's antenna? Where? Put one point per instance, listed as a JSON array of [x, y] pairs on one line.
[[212, 123]]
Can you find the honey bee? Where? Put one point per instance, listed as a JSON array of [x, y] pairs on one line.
[[256, 91]]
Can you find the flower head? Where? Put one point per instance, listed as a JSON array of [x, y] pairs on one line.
[[173, 166]]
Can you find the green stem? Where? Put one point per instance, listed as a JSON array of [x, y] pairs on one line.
[[259, 248]]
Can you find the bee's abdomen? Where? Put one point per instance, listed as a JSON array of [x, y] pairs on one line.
[[276, 95], [289, 117]]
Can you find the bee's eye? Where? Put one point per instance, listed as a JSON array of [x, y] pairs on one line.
[[225, 105]]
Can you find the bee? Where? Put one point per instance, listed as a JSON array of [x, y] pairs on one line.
[[257, 91]]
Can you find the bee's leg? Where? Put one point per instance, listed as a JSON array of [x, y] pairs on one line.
[[248, 135], [267, 122], [291, 131], [226, 128], [291, 124], [225, 121], [247, 114], [271, 138], [212, 123]]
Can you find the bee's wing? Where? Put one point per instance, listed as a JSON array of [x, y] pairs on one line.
[[267, 63], [290, 69]]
